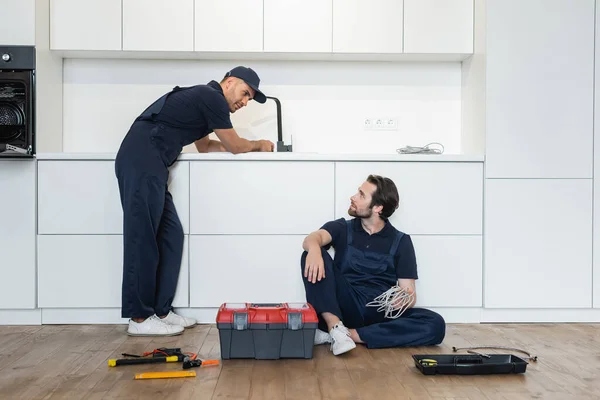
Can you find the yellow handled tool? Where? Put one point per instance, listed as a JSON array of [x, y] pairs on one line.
[[167, 374]]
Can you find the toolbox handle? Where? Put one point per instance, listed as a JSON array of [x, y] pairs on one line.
[[467, 360], [266, 305]]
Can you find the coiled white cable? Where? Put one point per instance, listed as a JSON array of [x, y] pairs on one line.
[[421, 150], [394, 302]]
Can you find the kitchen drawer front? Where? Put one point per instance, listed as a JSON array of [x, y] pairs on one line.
[[435, 197], [260, 197], [245, 268], [86, 271], [450, 270], [82, 197]]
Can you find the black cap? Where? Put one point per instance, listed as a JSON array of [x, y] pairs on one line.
[[251, 78]]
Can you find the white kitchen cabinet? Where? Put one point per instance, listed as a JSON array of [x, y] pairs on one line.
[[17, 234], [85, 25], [435, 198], [539, 89], [211, 16], [82, 197], [449, 269], [245, 268], [538, 243], [298, 26], [86, 271], [158, 25], [260, 197], [439, 26], [18, 22], [596, 213], [367, 27]]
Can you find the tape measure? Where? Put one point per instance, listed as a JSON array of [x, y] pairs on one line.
[[428, 362]]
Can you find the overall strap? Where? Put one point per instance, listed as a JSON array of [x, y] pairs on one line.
[[349, 232], [396, 243]]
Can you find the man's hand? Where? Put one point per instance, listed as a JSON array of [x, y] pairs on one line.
[[410, 290], [264, 145], [314, 269]]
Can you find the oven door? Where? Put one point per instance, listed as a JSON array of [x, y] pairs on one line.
[[16, 114]]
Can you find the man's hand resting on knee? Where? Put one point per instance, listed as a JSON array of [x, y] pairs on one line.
[[314, 269]]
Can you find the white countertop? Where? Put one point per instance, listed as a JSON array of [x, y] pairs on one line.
[[282, 157]]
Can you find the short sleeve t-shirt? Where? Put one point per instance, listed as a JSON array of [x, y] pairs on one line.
[[200, 108], [380, 242]]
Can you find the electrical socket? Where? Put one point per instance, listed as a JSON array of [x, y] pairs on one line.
[[380, 124]]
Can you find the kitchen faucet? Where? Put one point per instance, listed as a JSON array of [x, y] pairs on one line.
[[281, 147]]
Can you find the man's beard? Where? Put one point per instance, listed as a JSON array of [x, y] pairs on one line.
[[362, 214]]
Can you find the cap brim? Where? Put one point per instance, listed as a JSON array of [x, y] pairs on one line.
[[258, 95]]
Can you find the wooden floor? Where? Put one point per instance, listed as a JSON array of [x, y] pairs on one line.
[[70, 362]]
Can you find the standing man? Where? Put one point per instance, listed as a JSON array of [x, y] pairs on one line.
[[371, 258], [152, 233]]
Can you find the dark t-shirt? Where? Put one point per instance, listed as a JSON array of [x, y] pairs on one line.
[[202, 108], [380, 242]]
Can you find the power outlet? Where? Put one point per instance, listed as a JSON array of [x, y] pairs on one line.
[[380, 124]]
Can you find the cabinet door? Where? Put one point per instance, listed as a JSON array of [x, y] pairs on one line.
[[260, 197], [539, 89], [238, 15], [85, 25], [596, 283], [18, 22], [82, 197], [367, 27], [450, 270], [538, 243], [245, 268], [158, 25], [86, 271], [435, 198], [298, 26], [438, 26], [17, 234]]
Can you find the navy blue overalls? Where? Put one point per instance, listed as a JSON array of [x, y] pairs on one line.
[[362, 276], [152, 232]]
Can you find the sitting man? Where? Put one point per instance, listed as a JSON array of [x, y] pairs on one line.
[[374, 265]]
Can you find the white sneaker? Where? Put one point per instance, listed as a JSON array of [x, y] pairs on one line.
[[153, 326], [341, 340], [178, 320], [322, 337]]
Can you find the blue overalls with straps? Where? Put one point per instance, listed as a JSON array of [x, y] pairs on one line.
[[357, 280], [152, 232]]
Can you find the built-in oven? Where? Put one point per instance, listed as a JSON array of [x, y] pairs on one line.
[[17, 101]]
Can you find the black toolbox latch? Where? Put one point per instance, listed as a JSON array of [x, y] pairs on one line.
[[294, 321], [240, 321]]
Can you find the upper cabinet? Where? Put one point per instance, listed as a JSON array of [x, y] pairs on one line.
[[218, 25], [158, 25], [293, 28], [85, 25], [18, 22], [298, 26], [438, 26], [367, 27], [539, 89]]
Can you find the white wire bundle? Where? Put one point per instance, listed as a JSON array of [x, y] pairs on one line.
[[427, 149], [394, 301]]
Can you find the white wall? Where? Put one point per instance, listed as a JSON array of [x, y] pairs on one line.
[[323, 103]]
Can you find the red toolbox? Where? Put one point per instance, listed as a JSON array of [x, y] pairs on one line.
[[266, 331]]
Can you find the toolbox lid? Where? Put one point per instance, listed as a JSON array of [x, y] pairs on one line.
[[266, 313]]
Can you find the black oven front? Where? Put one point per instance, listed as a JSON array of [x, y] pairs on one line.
[[17, 101]]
